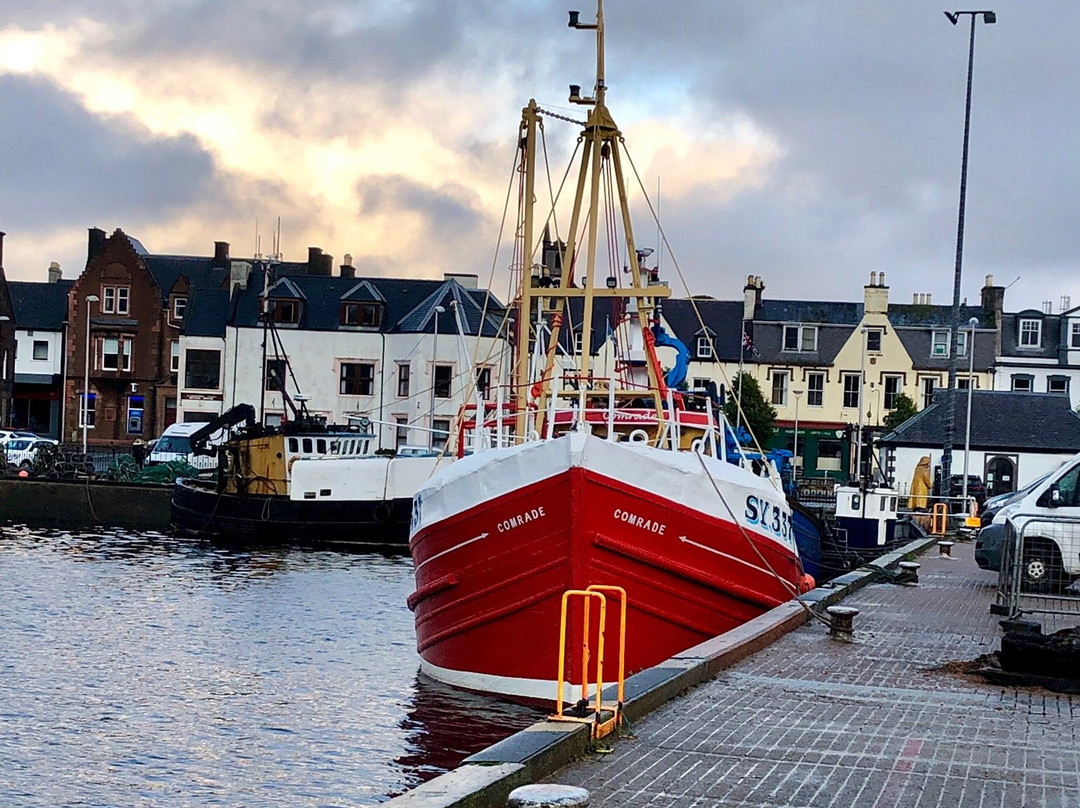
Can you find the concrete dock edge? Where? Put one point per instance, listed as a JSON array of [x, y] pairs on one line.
[[486, 779]]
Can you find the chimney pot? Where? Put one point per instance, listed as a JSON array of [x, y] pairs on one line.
[[989, 281], [881, 279], [55, 273], [873, 278], [929, 297], [348, 260]]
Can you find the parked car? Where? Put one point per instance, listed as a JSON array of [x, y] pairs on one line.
[[22, 451], [7, 435], [175, 444], [1047, 516]]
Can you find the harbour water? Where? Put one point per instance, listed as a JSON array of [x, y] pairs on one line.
[[143, 669]]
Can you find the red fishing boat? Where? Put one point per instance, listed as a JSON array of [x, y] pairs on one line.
[[577, 477]]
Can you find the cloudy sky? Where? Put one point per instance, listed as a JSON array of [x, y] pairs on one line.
[[806, 141]]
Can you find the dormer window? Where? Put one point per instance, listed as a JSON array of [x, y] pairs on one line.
[[361, 315], [285, 311], [1031, 333], [704, 347], [939, 344], [1074, 336], [800, 338], [179, 306]]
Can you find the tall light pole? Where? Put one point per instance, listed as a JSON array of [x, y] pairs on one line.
[[972, 323], [86, 371], [862, 384], [798, 395], [6, 416], [989, 17], [434, 359]]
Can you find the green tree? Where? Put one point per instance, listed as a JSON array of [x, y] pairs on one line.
[[903, 409], [758, 414]]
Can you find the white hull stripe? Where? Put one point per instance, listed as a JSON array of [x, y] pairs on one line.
[[713, 550], [535, 689], [450, 550]]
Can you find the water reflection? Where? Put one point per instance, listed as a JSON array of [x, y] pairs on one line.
[[145, 668]]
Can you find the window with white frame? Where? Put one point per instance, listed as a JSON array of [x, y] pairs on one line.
[[1022, 383], [440, 432], [579, 342], [1030, 333], [780, 380], [852, 385], [815, 389], [444, 379], [1074, 335], [41, 349], [939, 344], [699, 383], [800, 338], [1057, 384], [963, 382], [401, 431], [174, 356], [894, 386], [179, 307], [927, 387], [404, 374], [961, 343], [357, 379], [704, 347], [115, 354], [483, 382], [115, 299], [89, 411]]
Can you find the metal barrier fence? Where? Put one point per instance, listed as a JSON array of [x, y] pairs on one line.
[[1040, 566]]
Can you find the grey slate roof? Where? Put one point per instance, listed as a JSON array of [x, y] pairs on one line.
[[409, 303], [1000, 421], [40, 305], [723, 318], [768, 340], [167, 269], [1051, 335], [207, 313], [917, 342]]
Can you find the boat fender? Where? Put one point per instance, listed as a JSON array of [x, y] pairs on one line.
[[806, 583], [639, 436], [533, 436], [381, 512]]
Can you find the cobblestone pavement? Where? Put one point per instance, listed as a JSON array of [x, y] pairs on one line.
[[813, 722]]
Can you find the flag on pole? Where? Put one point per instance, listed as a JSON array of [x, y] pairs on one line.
[[747, 343]]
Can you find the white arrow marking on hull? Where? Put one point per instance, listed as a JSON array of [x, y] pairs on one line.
[[725, 555], [451, 549]]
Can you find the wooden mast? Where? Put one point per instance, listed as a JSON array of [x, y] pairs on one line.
[[601, 143]]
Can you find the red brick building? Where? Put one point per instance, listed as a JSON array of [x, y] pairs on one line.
[[136, 304]]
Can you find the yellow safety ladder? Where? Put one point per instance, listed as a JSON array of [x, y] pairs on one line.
[[604, 718]]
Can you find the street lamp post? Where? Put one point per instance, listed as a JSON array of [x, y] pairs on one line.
[[989, 17], [434, 359], [6, 417], [795, 458], [972, 323], [86, 371], [862, 384]]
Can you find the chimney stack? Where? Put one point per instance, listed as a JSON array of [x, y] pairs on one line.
[[876, 295], [239, 273], [95, 243], [752, 296], [221, 254], [55, 273], [319, 263]]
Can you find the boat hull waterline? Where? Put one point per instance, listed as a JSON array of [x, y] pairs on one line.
[[576, 511]]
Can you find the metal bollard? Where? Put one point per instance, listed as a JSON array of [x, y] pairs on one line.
[[548, 795], [909, 573], [841, 620], [944, 549]]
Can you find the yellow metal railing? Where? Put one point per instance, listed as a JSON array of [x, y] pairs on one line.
[[939, 519], [603, 719]]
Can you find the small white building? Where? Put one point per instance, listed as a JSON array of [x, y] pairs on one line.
[[1015, 438], [405, 353], [40, 352]]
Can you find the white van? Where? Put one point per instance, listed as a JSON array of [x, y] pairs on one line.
[[175, 444], [1048, 517]]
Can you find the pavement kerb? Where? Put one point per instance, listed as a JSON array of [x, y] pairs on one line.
[[485, 779]]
